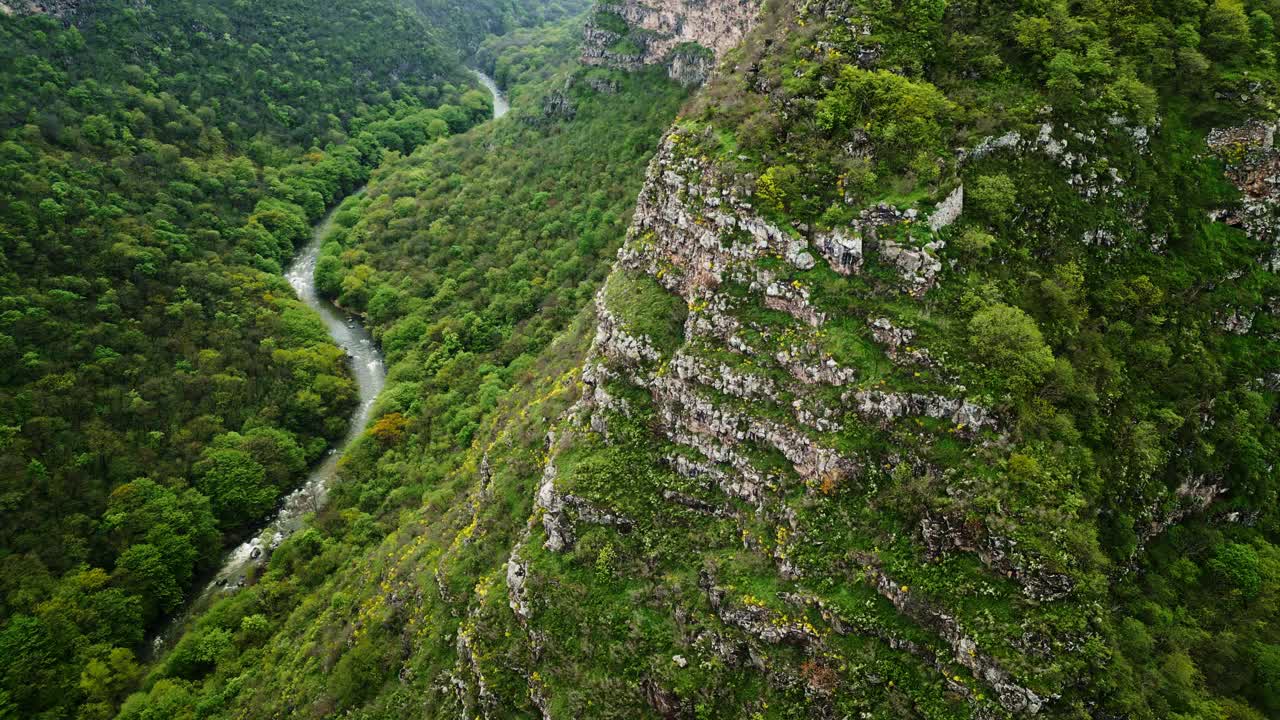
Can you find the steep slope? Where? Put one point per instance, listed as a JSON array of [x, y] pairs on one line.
[[925, 328], [685, 36], [473, 260]]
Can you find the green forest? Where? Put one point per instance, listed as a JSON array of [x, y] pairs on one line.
[[922, 361], [162, 387]]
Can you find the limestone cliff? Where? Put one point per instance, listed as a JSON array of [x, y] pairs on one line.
[[63, 9], [792, 419], [685, 35]]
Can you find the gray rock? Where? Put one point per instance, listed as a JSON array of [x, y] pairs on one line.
[[948, 211], [842, 251], [917, 266]]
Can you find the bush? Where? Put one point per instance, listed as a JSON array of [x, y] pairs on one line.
[[1011, 344], [993, 195], [1238, 566], [358, 675]]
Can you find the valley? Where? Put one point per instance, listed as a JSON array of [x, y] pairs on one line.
[[648, 358]]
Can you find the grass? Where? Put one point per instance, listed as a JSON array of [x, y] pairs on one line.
[[646, 309]]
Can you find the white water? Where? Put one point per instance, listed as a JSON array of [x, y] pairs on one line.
[[370, 374]]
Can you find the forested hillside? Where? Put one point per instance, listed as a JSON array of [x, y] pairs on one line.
[[160, 387], [468, 258], [770, 359]]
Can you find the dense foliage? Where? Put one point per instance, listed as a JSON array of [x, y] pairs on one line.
[[474, 23], [161, 387], [1103, 540], [467, 258]]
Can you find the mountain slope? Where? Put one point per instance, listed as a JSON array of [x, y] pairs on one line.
[[926, 327], [473, 260]]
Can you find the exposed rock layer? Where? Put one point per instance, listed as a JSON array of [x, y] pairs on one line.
[[685, 35]]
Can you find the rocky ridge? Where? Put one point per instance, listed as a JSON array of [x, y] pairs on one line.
[[695, 235], [62, 9], [755, 419]]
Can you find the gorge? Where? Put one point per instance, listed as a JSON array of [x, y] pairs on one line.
[[731, 359]]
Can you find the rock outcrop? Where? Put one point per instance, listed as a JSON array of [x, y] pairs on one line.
[[1253, 165], [62, 9], [687, 36]]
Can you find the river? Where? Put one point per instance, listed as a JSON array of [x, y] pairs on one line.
[[500, 105], [365, 360], [370, 374]]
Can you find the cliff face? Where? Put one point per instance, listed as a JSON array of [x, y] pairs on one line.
[[685, 35], [800, 456], [63, 9], [750, 416]]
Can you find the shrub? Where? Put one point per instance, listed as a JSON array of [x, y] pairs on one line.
[[1011, 344]]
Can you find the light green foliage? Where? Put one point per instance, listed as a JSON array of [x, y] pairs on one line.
[[1008, 341], [993, 195], [106, 680], [974, 242], [901, 115]]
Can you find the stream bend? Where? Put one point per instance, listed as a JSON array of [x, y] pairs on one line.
[[369, 371]]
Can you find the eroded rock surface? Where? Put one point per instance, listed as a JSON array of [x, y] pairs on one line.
[[685, 35]]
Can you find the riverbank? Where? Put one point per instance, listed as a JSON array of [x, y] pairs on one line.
[[369, 370]]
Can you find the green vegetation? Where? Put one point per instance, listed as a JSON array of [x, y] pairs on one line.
[[468, 259], [646, 309], [161, 388], [1105, 358], [1008, 341], [1024, 459]]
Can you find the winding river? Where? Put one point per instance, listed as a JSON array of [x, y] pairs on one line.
[[370, 374]]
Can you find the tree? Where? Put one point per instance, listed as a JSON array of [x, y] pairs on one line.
[[276, 450], [994, 195], [1239, 567], [142, 571], [1228, 27], [389, 429], [974, 242], [199, 652], [358, 675], [902, 116], [31, 660], [182, 527], [1266, 657], [236, 485], [106, 679], [1011, 345]]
